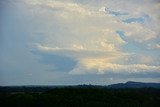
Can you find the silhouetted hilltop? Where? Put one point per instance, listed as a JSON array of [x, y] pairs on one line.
[[129, 84], [132, 84]]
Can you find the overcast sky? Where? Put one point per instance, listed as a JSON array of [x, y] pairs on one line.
[[68, 42]]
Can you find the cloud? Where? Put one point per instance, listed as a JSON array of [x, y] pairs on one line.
[[87, 17], [154, 46], [91, 36], [157, 46], [89, 62], [102, 66], [81, 37], [139, 33], [79, 53], [112, 12], [58, 62]]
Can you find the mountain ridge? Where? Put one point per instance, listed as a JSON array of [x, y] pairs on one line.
[[133, 84]]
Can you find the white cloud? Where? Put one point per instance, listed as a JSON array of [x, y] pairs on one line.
[[101, 63], [102, 66], [157, 46], [139, 32], [154, 46], [87, 33], [79, 52]]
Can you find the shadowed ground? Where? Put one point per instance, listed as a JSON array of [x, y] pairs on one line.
[[82, 97]]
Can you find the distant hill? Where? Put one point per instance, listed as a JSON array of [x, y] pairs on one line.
[[36, 88], [132, 84]]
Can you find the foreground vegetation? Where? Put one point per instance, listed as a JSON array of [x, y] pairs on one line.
[[83, 97]]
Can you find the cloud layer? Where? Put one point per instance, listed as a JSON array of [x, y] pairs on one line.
[[83, 37]]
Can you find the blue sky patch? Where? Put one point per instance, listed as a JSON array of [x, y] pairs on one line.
[[137, 20], [115, 13], [121, 34]]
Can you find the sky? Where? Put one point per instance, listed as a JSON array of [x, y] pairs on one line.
[[71, 42]]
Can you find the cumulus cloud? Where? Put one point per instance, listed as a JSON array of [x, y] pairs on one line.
[[98, 37], [101, 63], [91, 34], [102, 66]]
